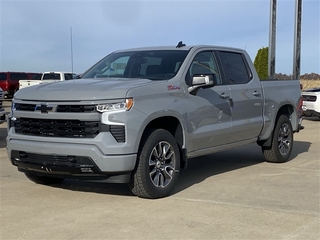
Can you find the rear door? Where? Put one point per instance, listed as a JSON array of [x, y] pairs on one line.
[[246, 96]]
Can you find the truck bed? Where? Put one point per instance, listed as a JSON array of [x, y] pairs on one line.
[[289, 94]]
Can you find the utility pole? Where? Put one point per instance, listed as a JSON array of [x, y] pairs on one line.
[[272, 40], [71, 50], [297, 41]]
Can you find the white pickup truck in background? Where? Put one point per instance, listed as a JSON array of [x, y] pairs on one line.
[[311, 102], [47, 77]]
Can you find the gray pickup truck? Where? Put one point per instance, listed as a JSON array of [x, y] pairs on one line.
[[138, 115]]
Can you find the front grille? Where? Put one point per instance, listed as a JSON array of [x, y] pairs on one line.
[[60, 108], [40, 158], [25, 107], [118, 132], [76, 108], [309, 98], [57, 128], [55, 164]]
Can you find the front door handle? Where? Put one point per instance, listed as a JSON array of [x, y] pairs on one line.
[[224, 96], [256, 94]]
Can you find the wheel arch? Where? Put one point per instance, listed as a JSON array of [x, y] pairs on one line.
[[173, 126], [292, 113], [287, 110]]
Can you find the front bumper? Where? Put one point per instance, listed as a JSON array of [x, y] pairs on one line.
[[68, 160]]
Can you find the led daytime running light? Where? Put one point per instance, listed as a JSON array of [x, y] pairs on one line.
[[118, 106]]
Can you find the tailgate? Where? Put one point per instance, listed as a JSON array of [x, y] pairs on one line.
[[28, 83]]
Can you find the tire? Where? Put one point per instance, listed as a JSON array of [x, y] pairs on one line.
[[43, 179], [158, 165], [282, 142]]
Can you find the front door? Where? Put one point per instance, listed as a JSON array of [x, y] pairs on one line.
[[209, 112]]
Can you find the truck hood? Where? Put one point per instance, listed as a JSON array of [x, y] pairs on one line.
[[81, 89]]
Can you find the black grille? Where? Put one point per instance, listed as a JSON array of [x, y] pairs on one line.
[[60, 108], [57, 128], [118, 132], [39, 158], [51, 159], [25, 107], [76, 108], [55, 164]]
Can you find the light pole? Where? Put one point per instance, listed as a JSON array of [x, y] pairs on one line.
[[71, 50], [297, 41], [272, 40]]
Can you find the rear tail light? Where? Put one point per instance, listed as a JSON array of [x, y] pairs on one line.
[[308, 98]]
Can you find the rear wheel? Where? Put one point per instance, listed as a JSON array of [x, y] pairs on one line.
[[282, 142], [158, 165], [43, 179]]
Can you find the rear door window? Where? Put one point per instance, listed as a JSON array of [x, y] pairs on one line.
[[235, 67]]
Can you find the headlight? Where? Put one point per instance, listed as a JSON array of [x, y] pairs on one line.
[[13, 105], [117, 106]]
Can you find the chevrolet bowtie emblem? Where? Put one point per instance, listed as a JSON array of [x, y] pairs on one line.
[[44, 108]]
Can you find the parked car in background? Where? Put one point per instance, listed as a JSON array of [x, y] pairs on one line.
[[2, 112], [47, 77], [9, 81], [311, 102]]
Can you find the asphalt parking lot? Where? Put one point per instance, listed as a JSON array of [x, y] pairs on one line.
[[233, 194]]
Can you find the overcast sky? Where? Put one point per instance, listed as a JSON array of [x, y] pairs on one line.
[[36, 36]]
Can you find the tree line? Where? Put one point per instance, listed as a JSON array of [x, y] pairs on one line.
[[261, 65]]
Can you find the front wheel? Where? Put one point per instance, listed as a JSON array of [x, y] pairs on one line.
[[282, 142], [43, 179], [158, 165]]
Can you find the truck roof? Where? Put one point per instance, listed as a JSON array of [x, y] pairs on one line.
[[183, 48], [51, 72]]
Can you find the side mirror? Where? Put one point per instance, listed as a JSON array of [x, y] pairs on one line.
[[202, 81]]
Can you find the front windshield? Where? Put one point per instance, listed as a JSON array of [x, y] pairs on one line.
[[153, 65]]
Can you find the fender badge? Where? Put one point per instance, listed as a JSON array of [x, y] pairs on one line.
[[173, 87]]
